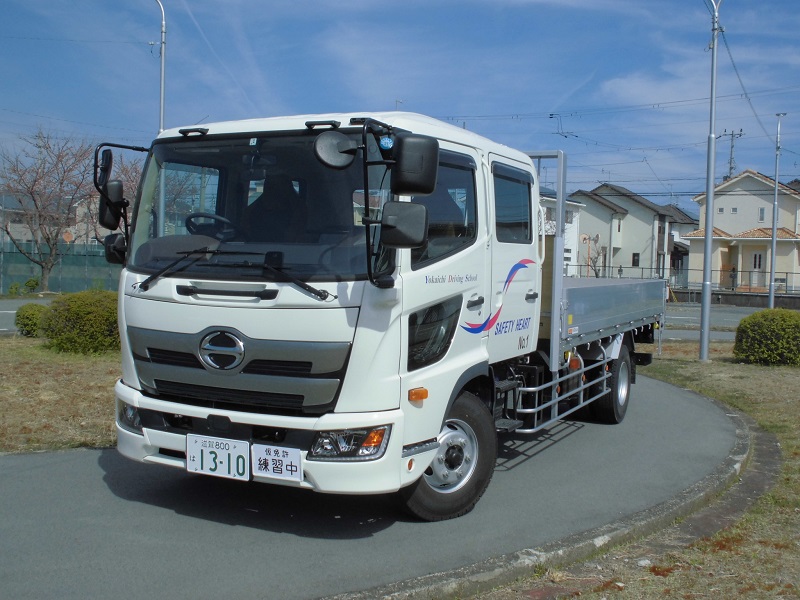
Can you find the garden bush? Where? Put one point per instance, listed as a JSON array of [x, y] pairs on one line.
[[82, 323], [769, 337], [29, 319]]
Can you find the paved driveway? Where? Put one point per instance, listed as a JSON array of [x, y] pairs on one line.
[[92, 524]]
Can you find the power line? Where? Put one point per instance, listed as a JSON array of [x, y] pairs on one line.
[[741, 83], [70, 40]]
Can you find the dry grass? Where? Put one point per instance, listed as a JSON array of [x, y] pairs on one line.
[[50, 400], [759, 557]]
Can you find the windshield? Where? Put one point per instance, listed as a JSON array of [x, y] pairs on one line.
[[244, 207]]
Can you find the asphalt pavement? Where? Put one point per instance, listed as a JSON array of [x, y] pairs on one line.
[[92, 524]]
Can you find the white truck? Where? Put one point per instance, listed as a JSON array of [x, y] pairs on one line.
[[355, 304]]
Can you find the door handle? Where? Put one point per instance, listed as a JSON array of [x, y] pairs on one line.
[[475, 302], [531, 295]]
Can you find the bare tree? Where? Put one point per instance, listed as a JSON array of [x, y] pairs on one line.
[[49, 178], [593, 255]]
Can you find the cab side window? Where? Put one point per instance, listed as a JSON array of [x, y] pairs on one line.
[[512, 204], [451, 211]]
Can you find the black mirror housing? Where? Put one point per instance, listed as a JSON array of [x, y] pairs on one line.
[[416, 164], [404, 225], [115, 248], [103, 168], [334, 149], [110, 209]]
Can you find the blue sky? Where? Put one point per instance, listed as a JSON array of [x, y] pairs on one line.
[[622, 86]]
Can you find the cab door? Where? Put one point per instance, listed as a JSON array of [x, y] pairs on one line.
[[446, 287], [515, 264]]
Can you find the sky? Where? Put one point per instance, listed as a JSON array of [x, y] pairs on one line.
[[622, 86]]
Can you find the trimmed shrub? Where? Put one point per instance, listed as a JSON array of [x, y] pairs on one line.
[[31, 285], [769, 337], [29, 319], [82, 323]]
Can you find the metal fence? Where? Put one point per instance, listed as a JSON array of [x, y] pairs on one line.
[[786, 282], [81, 267]]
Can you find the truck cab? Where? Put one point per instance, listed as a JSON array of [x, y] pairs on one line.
[[332, 302]]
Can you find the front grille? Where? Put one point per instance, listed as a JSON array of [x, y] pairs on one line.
[[277, 377], [174, 359], [228, 399], [283, 368]]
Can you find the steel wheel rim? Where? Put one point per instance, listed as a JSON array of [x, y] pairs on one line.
[[456, 459], [623, 384]]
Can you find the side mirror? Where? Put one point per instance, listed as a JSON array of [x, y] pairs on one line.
[[416, 164], [404, 225], [110, 209], [334, 149], [103, 170], [115, 248]]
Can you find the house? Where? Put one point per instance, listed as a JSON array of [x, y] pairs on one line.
[[600, 229], [742, 234], [572, 220], [19, 223], [625, 233], [680, 224]]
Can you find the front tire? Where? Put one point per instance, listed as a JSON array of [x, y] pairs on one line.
[[612, 407], [462, 467]]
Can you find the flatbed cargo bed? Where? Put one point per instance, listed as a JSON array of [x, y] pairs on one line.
[[592, 308]]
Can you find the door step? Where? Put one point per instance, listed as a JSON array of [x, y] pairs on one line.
[[507, 425]]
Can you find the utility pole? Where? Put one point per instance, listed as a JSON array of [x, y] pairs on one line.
[[163, 54], [732, 162], [705, 305], [774, 247]]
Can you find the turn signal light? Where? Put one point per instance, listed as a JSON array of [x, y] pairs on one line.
[[418, 394]]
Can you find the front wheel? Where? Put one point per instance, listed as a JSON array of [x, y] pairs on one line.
[[462, 467], [612, 407]]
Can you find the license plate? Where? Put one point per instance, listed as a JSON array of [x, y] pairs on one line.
[[277, 462], [218, 457]]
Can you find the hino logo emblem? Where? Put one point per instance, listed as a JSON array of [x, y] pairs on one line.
[[222, 350]]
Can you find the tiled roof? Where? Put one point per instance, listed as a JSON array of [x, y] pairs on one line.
[[678, 216], [610, 191], [758, 233], [701, 233], [599, 200], [782, 233], [720, 187]]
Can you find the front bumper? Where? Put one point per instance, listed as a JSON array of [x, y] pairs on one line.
[[167, 446]]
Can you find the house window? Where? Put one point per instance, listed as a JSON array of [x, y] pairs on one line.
[[619, 225], [762, 213], [635, 259], [720, 211], [570, 216], [734, 210]]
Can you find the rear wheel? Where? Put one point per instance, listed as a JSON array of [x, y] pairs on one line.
[[612, 407], [462, 467]]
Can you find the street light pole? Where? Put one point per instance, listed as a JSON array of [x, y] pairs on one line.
[[163, 63], [705, 306], [774, 247]]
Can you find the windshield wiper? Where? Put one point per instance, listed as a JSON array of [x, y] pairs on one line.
[[321, 294], [171, 270]]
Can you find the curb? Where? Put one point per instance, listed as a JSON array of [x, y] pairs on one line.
[[503, 570]]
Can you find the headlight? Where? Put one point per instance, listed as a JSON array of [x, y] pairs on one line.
[[128, 417], [350, 444]]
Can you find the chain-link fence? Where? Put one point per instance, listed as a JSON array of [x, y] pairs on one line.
[[81, 267]]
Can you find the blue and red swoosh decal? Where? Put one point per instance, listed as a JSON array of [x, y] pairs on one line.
[[492, 319]]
